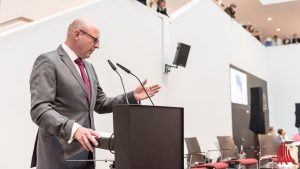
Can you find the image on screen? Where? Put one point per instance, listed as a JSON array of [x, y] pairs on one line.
[[238, 83]]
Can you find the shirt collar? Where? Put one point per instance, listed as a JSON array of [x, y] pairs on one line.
[[70, 52]]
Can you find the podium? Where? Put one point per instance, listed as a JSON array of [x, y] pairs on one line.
[[148, 137]]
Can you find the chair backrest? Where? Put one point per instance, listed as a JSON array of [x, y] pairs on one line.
[[192, 145], [268, 145], [228, 147], [194, 150]]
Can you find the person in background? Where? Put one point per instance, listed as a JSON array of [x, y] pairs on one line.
[[231, 10], [276, 40], [143, 2], [152, 4], [282, 137], [295, 38], [65, 92], [286, 40], [271, 131], [220, 2], [268, 42], [250, 28], [257, 35], [162, 7]]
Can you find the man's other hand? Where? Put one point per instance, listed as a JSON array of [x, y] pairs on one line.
[[87, 136]]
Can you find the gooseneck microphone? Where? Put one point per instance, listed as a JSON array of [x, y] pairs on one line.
[[115, 69], [129, 72], [125, 69], [112, 65]]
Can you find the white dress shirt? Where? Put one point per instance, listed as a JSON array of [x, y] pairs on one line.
[[73, 57]]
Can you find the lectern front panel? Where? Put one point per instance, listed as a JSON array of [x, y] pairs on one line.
[[148, 137]]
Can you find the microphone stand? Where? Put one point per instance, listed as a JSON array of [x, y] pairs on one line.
[[143, 88], [123, 87], [115, 69]]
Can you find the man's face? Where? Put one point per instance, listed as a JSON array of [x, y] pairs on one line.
[[88, 41]]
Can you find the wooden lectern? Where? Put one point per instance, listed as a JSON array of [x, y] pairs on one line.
[[148, 137]]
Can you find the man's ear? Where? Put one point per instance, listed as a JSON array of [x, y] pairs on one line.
[[76, 33]]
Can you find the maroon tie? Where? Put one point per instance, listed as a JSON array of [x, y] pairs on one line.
[[85, 78]]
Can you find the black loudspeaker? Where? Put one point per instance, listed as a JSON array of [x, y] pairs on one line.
[[297, 113], [257, 118], [182, 54]]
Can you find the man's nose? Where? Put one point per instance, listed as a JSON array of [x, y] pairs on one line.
[[97, 45]]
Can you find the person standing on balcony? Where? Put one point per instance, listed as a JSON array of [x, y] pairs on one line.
[[295, 38], [143, 1], [231, 10], [152, 4], [162, 7]]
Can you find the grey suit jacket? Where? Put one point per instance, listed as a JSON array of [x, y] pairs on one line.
[[58, 99]]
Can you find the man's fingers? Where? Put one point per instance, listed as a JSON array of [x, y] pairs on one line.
[[87, 138], [155, 87], [153, 93], [83, 144], [94, 133], [88, 144], [93, 140]]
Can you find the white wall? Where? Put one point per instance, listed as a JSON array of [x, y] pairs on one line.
[[137, 37], [284, 83], [131, 37], [203, 87]]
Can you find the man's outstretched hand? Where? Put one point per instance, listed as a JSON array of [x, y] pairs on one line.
[[139, 93]]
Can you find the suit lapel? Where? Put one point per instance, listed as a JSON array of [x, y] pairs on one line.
[[69, 63]]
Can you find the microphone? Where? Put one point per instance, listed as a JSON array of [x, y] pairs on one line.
[[124, 68], [129, 72], [112, 65], [115, 69]]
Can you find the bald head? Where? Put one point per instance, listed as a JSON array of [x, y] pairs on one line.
[[81, 24], [83, 37]]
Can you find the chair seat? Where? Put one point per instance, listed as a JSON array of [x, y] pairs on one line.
[[268, 157], [247, 161], [275, 159], [219, 165]]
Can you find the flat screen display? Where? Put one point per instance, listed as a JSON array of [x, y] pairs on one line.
[[238, 83]]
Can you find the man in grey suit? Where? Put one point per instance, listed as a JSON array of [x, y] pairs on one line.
[[64, 93]]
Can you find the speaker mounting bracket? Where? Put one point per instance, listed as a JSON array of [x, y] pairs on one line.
[[168, 68]]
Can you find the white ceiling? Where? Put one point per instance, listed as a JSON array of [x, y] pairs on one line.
[[285, 16]]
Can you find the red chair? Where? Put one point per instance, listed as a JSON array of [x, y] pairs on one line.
[[197, 159], [284, 155], [229, 153]]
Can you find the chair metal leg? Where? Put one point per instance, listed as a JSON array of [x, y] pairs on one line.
[[239, 167], [190, 162], [272, 164]]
